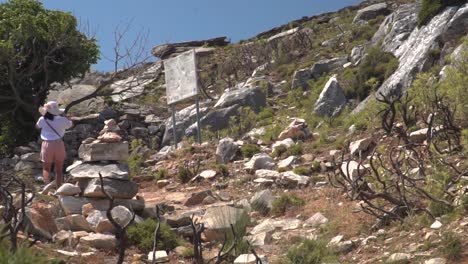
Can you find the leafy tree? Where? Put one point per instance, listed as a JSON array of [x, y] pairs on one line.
[[38, 47]]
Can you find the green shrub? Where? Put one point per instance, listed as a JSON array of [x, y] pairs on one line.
[[294, 150], [373, 70], [451, 245], [184, 174], [285, 201], [221, 169], [161, 174], [431, 8], [135, 162], [311, 252], [187, 252], [141, 235], [303, 170], [279, 151], [282, 169], [249, 150], [24, 255]]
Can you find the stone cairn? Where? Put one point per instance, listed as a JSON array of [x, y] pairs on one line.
[[83, 203]]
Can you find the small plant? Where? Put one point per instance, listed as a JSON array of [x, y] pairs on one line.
[[284, 202], [451, 245], [294, 150], [135, 162], [307, 171], [249, 150], [161, 174], [311, 252], [187, 253], [221, 169], [141, 235], [282, 169], [184, 175], [279, 151]]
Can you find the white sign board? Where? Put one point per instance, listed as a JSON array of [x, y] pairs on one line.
[[181, 77]]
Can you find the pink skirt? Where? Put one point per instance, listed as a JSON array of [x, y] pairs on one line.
[[53, 151]]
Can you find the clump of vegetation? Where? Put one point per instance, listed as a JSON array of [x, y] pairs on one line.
[[187, 252], [279, 151], [373, 70], [311, 252], [302, 170], [23, 255], [284, 202], [221, 169], [249, 150], [161, 174], [184, 174], [451, 245], [141, 235], [294, 150], [431, 8], [135, 162]]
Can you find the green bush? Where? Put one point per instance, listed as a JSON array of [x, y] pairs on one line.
[[294, 150], [311, 252], [249, 150], [373, 70], [285, 201], [161, 174], [279, 151], [221, 169], [184, 174], [24, 255], [141, 235], [431, 8], [303, 171], [135, 162], [451, 245], [187, 252]]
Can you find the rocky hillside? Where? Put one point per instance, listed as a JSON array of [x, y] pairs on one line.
[[337, 138]]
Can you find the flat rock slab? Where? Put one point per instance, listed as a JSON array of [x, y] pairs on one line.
[[104, 151], [116, 188], [100, 241], [91, 170], [74, 205]]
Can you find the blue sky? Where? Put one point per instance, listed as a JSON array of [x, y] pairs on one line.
[[184, 20]]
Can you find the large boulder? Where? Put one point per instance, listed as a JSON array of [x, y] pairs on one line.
[[253, 97], [371, 12], [414, 52], [183, 119], [325, 66], [116, 188], [100, 241], [218, 221], [74, 205], [262, 201], [92, 170], [39, 221], [215, 120], [259, 161], [168, 50], [68, 189], [75, 222], [226, 150], [331, 100], [104, 151], [300, 79]]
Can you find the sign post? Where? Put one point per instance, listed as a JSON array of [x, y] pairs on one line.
[[182, 83]]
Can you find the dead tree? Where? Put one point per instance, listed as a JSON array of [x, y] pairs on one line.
[[120, 231], [197, 230], [15, 208], [156, 234]]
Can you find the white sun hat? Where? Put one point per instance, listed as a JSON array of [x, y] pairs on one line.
[[52, 108]]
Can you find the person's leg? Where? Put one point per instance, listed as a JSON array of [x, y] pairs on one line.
[[46, 166], [59, 160]]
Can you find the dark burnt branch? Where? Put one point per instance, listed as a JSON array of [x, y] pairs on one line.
[[156, 233], [121, 231], [197, 241]]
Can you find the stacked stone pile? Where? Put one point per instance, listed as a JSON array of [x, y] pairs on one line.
[[84, 203]]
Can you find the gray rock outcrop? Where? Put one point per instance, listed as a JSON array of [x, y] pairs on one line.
[[117, 188], [301, 77], [371, 12], [90, 170], [215, 120], [226, 150], [331, 100], [253, 97]]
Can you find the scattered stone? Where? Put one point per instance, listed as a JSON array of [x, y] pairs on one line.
[[267, 226], [436, 261], [288, 162], [68, 189], [436, 225], [286, 142], [121, 215], [260, 240], [226, 150], [360, 146], [100, 241], [197, 198], [209, 200], [160, 255], [399, 257], [62, 237], [292, 179], [371, 12], [418, 135], [75, 222], [208, 174], [259, 161], [39, 221], [253, 97], [162, 183], [262, 201], [34, 157], [352, 169], [297, 129], [316, 220], [246, 259]]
